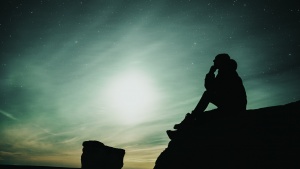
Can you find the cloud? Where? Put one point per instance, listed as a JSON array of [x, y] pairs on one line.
[[8, 115]]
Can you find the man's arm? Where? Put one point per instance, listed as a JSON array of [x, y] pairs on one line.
[[210, 78]]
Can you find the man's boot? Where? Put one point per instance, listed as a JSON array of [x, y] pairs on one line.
[[186, 122], [172, 134]]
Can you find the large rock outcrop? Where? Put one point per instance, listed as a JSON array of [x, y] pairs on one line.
[[97, 155], [261, 138]]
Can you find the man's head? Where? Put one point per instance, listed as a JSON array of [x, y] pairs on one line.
[[221, 60], [232, 65]]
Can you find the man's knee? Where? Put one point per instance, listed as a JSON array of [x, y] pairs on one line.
[[214, 99], [207, 97]]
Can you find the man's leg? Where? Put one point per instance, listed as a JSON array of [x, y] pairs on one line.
[[189, 118], [201, 106], [203, 103]]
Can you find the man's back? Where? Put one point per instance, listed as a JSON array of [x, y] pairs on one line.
[[230, 91]]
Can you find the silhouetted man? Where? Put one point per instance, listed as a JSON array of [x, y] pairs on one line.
[[225, 90]]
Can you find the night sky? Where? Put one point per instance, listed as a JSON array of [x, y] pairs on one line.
[[123, 72]]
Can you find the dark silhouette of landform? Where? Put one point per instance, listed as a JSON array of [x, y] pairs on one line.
[[97, 155], [259, 138]]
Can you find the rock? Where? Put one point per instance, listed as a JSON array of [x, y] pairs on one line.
[[261, 138], [97, 155]]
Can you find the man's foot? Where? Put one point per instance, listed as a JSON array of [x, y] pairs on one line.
[[185, 122], [171, 134]]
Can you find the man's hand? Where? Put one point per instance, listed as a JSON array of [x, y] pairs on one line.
[[212, 69]]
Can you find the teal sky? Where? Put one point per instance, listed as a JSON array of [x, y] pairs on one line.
[[123, 72]]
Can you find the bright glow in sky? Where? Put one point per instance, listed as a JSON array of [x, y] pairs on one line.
[[125, 71], [131, 97]]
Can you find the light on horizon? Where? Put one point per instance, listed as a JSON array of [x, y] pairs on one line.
[[131, 96]]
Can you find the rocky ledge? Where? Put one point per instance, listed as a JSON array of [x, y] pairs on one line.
[[260, 138]]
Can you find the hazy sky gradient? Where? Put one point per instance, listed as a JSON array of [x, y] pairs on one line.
[[62, 60]]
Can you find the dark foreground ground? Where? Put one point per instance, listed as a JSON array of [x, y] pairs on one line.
[[30, 167], [265, 138]]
